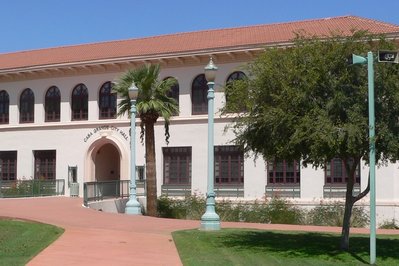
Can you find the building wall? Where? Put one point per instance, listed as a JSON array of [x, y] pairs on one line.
[[76, 142]]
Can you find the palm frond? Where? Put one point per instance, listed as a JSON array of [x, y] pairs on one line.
[[152, 97]]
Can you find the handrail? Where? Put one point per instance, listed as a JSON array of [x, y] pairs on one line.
[[31, 188], [100, 190]]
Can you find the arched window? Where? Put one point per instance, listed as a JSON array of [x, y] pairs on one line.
[[80, 102], [52, 103], [233, 77], [199, 92], [107, 101], [4, 107], [237, 75], [174, 90], [27, 107]]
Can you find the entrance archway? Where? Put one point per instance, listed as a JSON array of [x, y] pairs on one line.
[[107, 163], [106, 159]]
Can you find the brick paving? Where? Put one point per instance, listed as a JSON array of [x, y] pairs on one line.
[[98, 238]]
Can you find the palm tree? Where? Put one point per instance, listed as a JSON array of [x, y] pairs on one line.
[[152, 102]]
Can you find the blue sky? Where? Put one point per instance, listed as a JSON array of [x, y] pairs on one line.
[[34, 24]]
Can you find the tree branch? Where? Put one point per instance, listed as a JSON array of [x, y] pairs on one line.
[[364, 193]]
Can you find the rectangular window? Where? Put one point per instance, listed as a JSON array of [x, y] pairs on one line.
[[229, 165], [45, 162], [176, 165], [335, 172], [284, 172], [8, 165]]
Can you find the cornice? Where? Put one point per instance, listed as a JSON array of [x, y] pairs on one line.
[[108, 65]]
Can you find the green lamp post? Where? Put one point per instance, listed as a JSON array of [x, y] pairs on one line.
[[370, 69], [133, 206], [383, 57], [210, 220]]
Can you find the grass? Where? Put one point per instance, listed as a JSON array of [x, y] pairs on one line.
[[20, 241], [258, 247]]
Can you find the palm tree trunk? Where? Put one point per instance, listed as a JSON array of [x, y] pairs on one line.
[[150, 169]]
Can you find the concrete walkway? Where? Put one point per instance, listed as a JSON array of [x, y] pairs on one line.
[[97, 238]]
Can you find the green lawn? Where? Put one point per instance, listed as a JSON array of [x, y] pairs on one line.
[[257, 247], [20, 241]]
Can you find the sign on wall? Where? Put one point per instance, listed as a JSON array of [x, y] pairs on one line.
[[106, 129]]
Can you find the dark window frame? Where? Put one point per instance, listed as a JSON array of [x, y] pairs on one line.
[[52, 104], [8, 165], [45, 164], [80, 103], [4, 107], [283, 173], [177, 161], [107, 101], [27, 106], [199, 94], [236, 75], [335, 173], [228, 157]]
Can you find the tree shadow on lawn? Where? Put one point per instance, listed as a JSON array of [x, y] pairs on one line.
[[307, 245]]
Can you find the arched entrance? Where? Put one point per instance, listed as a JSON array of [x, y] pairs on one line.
[[107, 163], [106, 159]]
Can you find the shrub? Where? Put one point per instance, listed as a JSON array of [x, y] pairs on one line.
[[389, 224], [193, 207], [256, 212], [333, 215], [281, 212], [228, 211], [168, 208]]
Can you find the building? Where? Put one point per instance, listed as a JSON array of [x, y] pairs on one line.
[[58, 116]]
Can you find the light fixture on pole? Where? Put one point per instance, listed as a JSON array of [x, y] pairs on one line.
[[133, 206], [210, 220]]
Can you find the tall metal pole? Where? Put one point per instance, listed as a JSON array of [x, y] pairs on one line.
[[210, 220], [133, 206], [370, 68], [356, 59]]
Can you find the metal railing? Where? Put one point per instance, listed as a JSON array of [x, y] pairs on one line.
[[337, 191], [31, 188], [176, 190], [229, 191], [283, 191], [100, 190]]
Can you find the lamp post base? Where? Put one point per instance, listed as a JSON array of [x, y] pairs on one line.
[[210, 221], [133, 207]]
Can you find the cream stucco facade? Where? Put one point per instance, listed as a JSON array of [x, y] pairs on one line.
[[100, 150]]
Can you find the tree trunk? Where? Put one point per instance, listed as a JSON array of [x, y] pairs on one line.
[[151, 178], [349, 202]]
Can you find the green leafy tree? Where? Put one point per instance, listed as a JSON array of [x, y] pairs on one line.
[[305, 102], [152, 102]]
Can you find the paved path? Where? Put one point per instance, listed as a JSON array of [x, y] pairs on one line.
[[97, 238]]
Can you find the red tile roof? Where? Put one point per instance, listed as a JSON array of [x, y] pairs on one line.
[[191, 42]]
